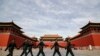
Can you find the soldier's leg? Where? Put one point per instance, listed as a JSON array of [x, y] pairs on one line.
[[71, 52], [59, 53], [54, 53], [11, 52], [31, 52], [24, 51], [39, 53], [43, 53], [67, 52], [28, 52]]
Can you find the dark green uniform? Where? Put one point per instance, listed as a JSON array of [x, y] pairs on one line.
[[41, 45], [56, 45], [30, 46], [25, 47], [69, 50], [10, 48]]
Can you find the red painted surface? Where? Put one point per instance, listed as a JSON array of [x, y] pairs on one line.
[[91, 39], [96, 39], [50, 43], [62, 43], [4, 39], [83, 41], [10, 31], [18, 39]]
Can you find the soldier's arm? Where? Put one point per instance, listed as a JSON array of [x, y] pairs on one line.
[[52, 46], [61, 46], [7, 47], [66, 46], [44, 44]]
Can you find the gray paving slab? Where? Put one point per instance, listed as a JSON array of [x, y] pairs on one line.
[[49, 52]]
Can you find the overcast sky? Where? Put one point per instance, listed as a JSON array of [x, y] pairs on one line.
[[39, 17]]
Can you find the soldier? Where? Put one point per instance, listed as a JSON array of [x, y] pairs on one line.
[[11, 47], [25, 47], [68, 47], [56, 46], [30, 48], [41, 45]]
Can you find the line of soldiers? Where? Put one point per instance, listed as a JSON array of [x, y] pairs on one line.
[[27, 48]]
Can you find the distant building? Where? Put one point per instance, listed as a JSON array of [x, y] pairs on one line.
[[49, 39], [34, 38], [10, 31], [89, 35]]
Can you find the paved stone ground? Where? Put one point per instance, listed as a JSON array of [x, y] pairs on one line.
[[49, 52]]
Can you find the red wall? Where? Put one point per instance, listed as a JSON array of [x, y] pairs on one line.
[[96, 39], [83, 41], [18, 39], [50, 44], [4, 37], [62, 43]]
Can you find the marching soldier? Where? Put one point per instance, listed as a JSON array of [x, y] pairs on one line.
[[11, 47], [25, 47], [56, 46], [41, 45], [30, 46], [68, 47]]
